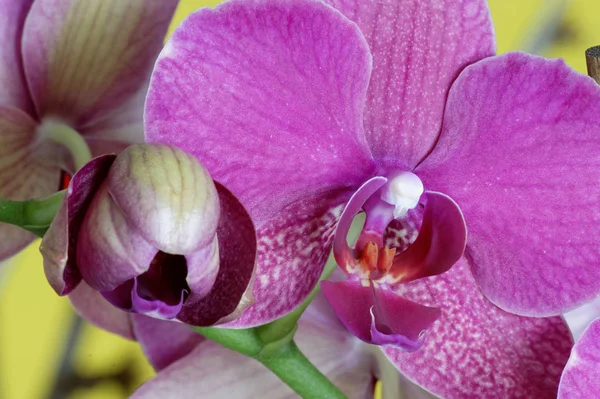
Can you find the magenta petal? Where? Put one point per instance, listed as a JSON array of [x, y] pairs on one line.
[[164, 341], [522, 162], [292, 250], [14, 91], [230, 294], [84, 59], [269, 96], [379, 316], [98, 311], [59, 245], [581, 376], [439, 245], [419, 48], [344, 256], [476, 350]]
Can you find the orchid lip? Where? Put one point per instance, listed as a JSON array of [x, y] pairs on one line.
[[156, 308], [159, 292], [440, 242]]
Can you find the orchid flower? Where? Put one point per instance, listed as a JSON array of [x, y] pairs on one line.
[[150, 232], [301, 107], [74, 75]]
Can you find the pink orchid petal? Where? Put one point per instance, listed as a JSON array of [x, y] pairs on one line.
[[109, 250], [439, 245], [344, 255], [13, 239], [211, 371], [269, 96], [419, 48], [580, 318], [581, 376], [379, 316], [14, 91], [86, 58], [231, 292], [162, 341], [92, 306], [476, 350], [119, 129], [26, 171], [59, 245], [100, 147], [292, 250], [522, 162]]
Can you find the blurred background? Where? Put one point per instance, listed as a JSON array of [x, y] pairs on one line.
[[47, 352]]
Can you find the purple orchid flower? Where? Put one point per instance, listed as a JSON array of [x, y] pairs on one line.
[[70, 64], [151, 233], [300, 108]]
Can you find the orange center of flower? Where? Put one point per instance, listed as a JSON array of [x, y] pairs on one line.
[[376, 262]]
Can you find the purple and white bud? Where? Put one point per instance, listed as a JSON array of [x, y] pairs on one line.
[[143, 230]]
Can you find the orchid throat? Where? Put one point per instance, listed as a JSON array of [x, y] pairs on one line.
[[383, 201]]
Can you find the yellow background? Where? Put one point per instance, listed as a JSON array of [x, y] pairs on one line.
[[34, 321]]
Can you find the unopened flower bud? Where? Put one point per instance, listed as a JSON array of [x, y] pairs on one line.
[[142, 229]]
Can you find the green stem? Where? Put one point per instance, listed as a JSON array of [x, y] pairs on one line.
[[293, 368], [34, 215], [284, 359], [245, 342], [71, 139]]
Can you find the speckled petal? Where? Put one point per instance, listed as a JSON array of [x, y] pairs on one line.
[[27, 170], [581, 377], [211, 371], [86, 58], [163, 341], [92, 306], [269, 96], [59, 245], [522, 161], [476, 350], [292, 250], [419, 48], [14, 91]]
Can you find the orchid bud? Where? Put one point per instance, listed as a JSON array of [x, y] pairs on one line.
[[149, 236], [143, 230]]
